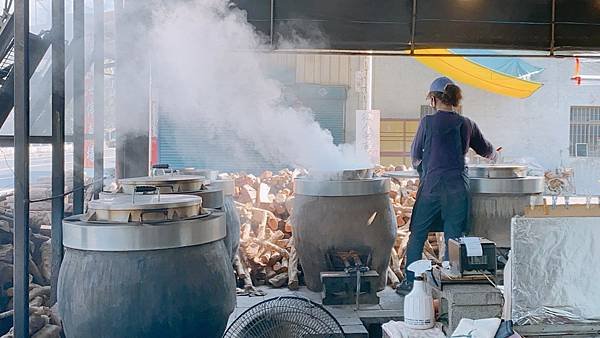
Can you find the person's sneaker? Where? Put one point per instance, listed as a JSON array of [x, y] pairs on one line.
[[404, 288]]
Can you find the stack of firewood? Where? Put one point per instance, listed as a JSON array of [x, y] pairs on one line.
[[267, 254], [43, 322]]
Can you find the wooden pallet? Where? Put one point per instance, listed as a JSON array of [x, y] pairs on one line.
[[443, 276]]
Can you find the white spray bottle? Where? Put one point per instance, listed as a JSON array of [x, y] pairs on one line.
[[418, 304]]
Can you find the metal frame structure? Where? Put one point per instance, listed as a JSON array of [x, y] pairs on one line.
[[21, 209], [98, 96], [402, 27], [78, 103], [58, 137], [22, 139]]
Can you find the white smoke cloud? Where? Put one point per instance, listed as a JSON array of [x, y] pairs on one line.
[[212, 73]]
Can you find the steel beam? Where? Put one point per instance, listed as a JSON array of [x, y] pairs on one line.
[[78, 104], [21, 169], [58, 138], [132, 100], [98, 96]]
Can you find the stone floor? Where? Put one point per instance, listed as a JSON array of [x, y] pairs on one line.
[[353, 322]]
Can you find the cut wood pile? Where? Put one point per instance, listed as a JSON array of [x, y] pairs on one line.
[[42, 321], [267, 254]]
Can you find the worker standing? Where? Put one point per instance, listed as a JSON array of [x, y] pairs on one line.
[[438, 153]]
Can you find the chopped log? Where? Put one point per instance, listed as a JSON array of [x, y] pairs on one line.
[[48, 331], [41, 291], [270, 273], [269, 245], [281, 198], [276, 236], [264, 195], [441, 245], [275, 259], [288, 227], [289, 204], [293, 283], [247, 194], [400, 220], [273, 223], [37, 301], [279, 280], [395, 266], [266, 175], [283, 243], [261, 229], [46, 262], [36, 273], [265, 258], [245, 232], [243, 272], [392, 278]]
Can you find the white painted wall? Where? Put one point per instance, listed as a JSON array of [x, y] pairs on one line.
[[536, 128]]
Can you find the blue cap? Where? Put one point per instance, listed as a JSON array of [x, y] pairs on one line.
[[439, 84]]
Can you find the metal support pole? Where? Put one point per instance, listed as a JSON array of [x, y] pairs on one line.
[[132, 80], [272, 24], [98, 96], [58, 138], [78, 104], [21, 165], [413, 27], [553, 28]]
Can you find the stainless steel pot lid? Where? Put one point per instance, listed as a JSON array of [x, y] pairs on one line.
[[165, 183], [137, 209], [497, 171], [143, 202]]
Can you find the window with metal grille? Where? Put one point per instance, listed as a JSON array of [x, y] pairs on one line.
[[584, 135]]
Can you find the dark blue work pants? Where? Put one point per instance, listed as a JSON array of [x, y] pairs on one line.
[[448, 203]]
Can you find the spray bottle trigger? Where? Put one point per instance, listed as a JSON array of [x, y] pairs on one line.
[[419, 267]]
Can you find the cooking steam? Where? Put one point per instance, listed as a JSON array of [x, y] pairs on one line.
[[212, 73]]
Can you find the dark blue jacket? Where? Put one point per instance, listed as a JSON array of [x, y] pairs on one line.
[[444, 160]]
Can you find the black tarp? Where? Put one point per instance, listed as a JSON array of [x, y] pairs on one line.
[[389, 25]]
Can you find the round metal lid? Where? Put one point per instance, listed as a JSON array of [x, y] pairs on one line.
[[311, 187], [166, 183], [94, 236], [143, 202], [134, 209], [497, 171], [521, 185]]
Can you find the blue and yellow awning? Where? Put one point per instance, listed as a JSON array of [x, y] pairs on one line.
[[505, 77]]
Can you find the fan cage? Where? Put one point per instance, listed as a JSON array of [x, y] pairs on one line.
[[285, 316]]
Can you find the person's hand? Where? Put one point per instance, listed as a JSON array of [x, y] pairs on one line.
[[495, 156]]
